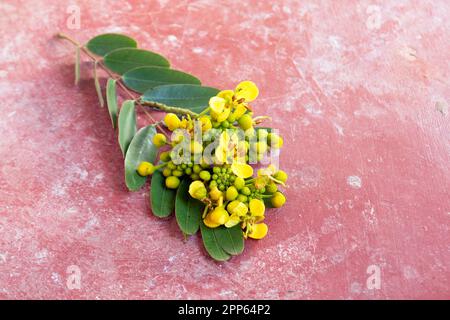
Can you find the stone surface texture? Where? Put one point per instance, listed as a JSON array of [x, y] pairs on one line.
[[359, 90]]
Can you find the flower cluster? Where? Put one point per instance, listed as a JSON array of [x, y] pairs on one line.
[[214, 150]]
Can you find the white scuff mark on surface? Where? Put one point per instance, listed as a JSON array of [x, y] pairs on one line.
[[442, 108], [354, 182], [56, 278], [339, 129], [41, 255], [369, 213], [410, 273], [408, 53], [197, 50]]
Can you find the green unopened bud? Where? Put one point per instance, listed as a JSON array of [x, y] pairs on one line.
[[167, 172], [246, 191], [197, 168], [177, 173], [205, 175], [165, 156], [239, 183], [271, 187], [245, 122]]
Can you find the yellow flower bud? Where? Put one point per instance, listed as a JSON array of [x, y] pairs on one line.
[[281, 176], [172, 121], [145, 168], [278, 199], [257, 207], [258, 231], [239, 183], [159, 140], [231, 193], [245, 122], [172, 182], [197, 190]]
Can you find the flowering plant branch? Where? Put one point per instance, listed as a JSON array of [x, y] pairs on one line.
[[204, 171]]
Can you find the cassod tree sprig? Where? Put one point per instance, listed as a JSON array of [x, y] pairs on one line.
[[222, 200]]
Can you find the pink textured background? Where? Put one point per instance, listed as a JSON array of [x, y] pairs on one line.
[[359, 89]]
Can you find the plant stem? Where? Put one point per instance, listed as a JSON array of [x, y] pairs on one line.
[[166, 108], [112, 75]]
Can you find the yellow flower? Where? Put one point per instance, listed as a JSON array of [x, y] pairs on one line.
[[232, 221], [237, 207], [239, 111], [227, 95], [246, 90], [217, 217], [205, 123], [172, 121], [220, 110], [209, 223], [215, 194], [258, 231], [228, 148], [257, 208], [242, 170], [197, 190], [278, 176], [270, 170]]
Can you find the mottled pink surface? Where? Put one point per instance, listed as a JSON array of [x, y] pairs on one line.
[[359, 89]]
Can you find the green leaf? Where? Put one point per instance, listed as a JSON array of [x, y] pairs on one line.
[[230, 239], [188, 210], [97, 87], [144, 78], [187, 96], [111, 100], [127, 125], [105, 43], [123, 60], [163, 199], [141, 149], [212, 245], [77, 65]]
